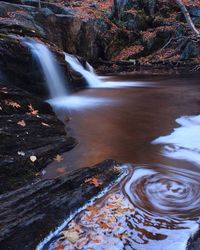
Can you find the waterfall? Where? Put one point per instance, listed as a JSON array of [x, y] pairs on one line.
[[53, 75], [89, 75]]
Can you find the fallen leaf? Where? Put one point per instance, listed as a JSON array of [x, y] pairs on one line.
[[58, 158], [45, 124], [33, 158], [59, 246], [32, 110], [95, 240], [104, 225], [94, 181], [12, 103], [22, 123], [70, 235], [60, 170]]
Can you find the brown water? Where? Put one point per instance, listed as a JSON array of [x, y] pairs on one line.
[[158, 205], [127, 122]]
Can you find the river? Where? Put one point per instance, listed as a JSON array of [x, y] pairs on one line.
[[153, 124]]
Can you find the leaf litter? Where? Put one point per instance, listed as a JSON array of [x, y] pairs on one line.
[[98, 227]]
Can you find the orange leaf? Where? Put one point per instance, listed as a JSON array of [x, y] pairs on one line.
[[58, 158], [94, 181], [104, 225]]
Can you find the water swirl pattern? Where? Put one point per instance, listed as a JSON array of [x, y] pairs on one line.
[[165, 192]]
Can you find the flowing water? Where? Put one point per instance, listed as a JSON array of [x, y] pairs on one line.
[[153, 123], [54, 77]]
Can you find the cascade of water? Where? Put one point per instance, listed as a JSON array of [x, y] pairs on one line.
[[89, 75], [52, 73]]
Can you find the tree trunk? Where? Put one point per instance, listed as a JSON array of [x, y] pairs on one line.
[[115, 10], [39, 4], [187, 17]]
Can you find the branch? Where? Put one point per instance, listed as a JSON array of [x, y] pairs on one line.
[[188, 18]]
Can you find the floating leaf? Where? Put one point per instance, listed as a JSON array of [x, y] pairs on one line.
[[21, 123], [58, 158], [60, 170], [70, 235]]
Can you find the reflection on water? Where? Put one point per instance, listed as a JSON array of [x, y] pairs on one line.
[[144, 212], [79, 102], [159, 206], [166, 191], [184, 142]]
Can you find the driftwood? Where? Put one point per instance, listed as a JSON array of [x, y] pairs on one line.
[[28, 214]]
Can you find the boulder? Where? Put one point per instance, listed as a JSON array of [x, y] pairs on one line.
[[28, 128]]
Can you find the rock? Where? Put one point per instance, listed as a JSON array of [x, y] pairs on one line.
[[189, 49], [133, 20], [194, 11], [29, 214], [24, 134]]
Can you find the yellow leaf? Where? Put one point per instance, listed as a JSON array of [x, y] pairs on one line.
[[71, 236]]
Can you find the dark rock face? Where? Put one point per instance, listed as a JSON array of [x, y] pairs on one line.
[[40, 134], [28, 214]]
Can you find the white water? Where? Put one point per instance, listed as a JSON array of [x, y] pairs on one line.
[[94, 80], [89, 74], [52, 73], [184, 142]]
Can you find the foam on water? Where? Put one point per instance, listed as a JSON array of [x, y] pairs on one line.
[[184, 142]]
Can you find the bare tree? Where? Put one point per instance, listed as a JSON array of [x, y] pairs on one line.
[[187, 17], [39, 4]]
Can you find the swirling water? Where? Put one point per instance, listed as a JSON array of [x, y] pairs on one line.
[[158, 205]]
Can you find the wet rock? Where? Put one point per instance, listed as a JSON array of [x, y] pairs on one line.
[[24, 134], [28, 214]]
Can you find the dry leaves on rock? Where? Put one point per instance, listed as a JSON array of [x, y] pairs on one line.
[[22, 123], [94, 181], [32, 111], [12, 104]]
